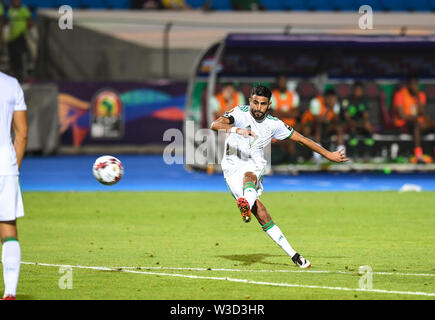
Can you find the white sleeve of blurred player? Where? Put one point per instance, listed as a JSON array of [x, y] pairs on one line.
[[20, 104], [315, 106], [214, 104], [296, 100]]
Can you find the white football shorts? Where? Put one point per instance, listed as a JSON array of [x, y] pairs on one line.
[[234, 178], [11, 201]]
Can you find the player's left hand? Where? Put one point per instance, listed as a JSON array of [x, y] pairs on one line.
[[337, 156]]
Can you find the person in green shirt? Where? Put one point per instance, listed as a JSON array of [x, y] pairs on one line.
[[356, 115], [19, 22]]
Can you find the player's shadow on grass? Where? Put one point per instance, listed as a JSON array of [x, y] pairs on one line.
[[249, 259]]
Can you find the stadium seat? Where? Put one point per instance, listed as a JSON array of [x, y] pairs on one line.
[[371, 90], [222, 5], [343, 90], [295, 5], [274, 5], [431, 5]]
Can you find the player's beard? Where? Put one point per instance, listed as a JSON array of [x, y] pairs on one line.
[[261, 117]]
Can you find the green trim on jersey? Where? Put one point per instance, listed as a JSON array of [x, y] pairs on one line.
[[249, 185], [271, 117], [290, 135], [244, 108]]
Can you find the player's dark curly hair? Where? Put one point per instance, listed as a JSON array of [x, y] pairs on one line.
[[261, 91]]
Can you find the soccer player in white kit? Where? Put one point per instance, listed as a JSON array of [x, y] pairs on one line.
[[251, 129], [12, 115]]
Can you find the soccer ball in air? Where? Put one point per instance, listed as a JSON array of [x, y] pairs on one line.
[[108, 170]]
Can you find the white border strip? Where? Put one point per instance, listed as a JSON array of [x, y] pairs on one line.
[[276, 284]]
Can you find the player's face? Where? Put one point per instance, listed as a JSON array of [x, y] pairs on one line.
[[259, 106]]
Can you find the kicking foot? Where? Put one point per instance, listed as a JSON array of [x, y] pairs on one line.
[[244, 208], [301, 261], [9, 297]]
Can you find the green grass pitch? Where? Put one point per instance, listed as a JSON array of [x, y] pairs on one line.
[[162, 234]]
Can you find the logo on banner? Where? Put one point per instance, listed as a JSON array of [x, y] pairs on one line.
[[107, 115]]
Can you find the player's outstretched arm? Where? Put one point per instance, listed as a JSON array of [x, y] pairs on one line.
[[337, 156]]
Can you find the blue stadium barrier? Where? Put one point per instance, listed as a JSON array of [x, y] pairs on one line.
[[94, 4], [295, 5], [341, 5], [222, 5], [49, 174], [75, 4], [274, 5], [319, 5], [374, 4], [196, 4], [118, 4], [418, 5], [394, 5], [40, 3]]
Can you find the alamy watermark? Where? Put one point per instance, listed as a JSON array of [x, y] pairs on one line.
[[366, 280], [65, 21], [203, 146], [365, 21], [66, 280]]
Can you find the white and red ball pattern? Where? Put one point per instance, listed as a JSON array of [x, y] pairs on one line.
[[108, 170]]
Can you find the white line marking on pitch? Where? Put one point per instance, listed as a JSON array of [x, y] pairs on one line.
[[276, 284], [271, 271]]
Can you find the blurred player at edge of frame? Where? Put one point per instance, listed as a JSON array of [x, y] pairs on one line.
[[12, 114], [251, 129]]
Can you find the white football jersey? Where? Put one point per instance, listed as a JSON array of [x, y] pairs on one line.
[[11, 100], [238, 148]]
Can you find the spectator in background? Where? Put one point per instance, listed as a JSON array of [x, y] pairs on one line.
[[323, 117], [175, 4], [285, 106], [226, 99], [408, 111], [152, 4], [19, 23], [146, 4], [357, 120]]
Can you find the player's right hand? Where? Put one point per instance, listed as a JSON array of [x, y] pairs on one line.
[[246, 132], [337, 156]]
